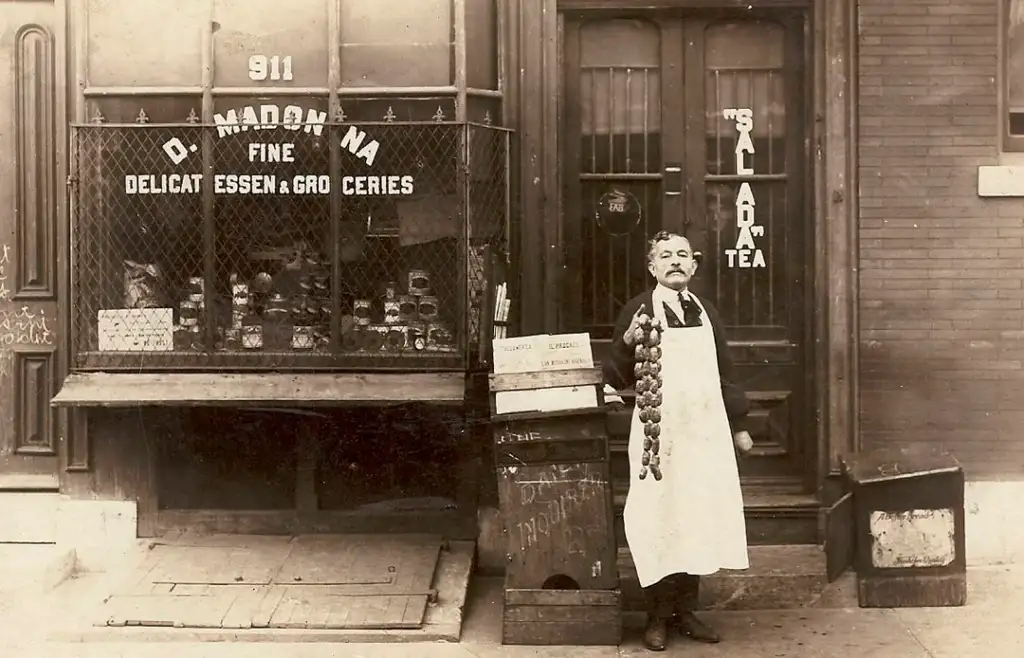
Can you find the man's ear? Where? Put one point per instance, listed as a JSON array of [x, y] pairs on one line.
[[650, 269], [696, 262]]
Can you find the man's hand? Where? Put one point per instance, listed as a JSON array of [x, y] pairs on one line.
[[629, 338], [744, 444]]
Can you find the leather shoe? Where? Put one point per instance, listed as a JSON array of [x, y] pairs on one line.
[[695, 629], [656, 634]]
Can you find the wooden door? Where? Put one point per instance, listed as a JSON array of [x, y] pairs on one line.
[[31, 191], [659, 109]]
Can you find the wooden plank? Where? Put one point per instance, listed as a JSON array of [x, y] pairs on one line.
[[560, 617], [162, 610], [318, 611], [452, 524], [839, 296], [839, 540], [42, 482], [363, 564], [674, 214], [572, 190], [99, 389], [552, 379], [245, 607], [551, 24], [267, 606], [561, 597], [218, 565]]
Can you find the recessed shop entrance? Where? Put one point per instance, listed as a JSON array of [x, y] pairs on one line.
[[694, 122]]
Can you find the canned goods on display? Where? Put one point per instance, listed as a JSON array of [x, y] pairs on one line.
[[407, 307], [427, 308], [361, 312], [419, 282], [302, 338]]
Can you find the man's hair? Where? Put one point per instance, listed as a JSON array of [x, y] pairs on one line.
[[661, 236]]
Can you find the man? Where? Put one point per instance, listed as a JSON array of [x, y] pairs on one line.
[[690, 523]]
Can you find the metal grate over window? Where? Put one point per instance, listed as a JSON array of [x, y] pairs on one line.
[[276, 239], [620, 155]]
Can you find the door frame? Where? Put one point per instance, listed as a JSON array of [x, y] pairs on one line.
[[33, 363], [533, 31], [683, 178]]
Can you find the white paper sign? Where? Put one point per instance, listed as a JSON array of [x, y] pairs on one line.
[[916, 538], [567, 352], [136, 330], [519, 354], [542, 352]]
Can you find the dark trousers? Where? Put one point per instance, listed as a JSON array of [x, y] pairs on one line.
[[673, 594]]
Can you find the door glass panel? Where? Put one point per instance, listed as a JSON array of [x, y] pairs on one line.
[[620, 110], [749, 246]]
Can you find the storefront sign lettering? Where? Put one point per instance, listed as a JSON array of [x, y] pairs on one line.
[[270, 117], [274, 67], [745, 253]]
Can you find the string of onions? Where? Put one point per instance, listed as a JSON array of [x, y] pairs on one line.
[[648, 392]]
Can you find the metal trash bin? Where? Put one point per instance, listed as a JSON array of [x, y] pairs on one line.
[[909, 527]]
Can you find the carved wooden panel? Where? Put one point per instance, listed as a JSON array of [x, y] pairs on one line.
[[36, 165], [35, 383], [76, 432]]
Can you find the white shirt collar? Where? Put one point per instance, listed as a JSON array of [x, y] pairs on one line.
[[666, 294]]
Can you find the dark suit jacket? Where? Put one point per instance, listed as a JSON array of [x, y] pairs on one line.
[[618, 367]]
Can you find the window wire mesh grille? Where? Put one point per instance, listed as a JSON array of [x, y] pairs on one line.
[[256, 266]]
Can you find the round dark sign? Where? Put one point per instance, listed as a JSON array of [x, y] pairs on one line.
[[618, 212]]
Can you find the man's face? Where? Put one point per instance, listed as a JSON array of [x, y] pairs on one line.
[[672, 263]]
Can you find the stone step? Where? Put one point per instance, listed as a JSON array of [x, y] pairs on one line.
[[28, 517], [779, 577]]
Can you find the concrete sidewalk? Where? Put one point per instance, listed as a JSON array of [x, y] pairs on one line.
[[989, 626]]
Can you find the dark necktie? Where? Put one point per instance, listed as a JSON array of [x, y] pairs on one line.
[[691, 313]]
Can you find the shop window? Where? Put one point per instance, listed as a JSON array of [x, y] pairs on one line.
[[1013, 71], [620, 132], [408, 45], [219, 246], [257, 44], [163, 38], [746, 106]]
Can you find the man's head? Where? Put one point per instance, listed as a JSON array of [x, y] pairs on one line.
[[670, 260]]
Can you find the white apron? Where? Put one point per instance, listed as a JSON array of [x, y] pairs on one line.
[[692, 520]]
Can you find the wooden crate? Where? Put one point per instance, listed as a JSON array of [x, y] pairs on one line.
[[557, 515], [561, 617], [909, 526]]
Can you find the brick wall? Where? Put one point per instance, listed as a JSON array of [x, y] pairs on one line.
[[942, 324]]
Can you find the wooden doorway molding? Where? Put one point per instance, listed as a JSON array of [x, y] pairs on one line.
[[532, 32]]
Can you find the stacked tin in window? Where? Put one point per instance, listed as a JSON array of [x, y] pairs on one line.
[[188, 333], [311, 312], [435, 337]]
